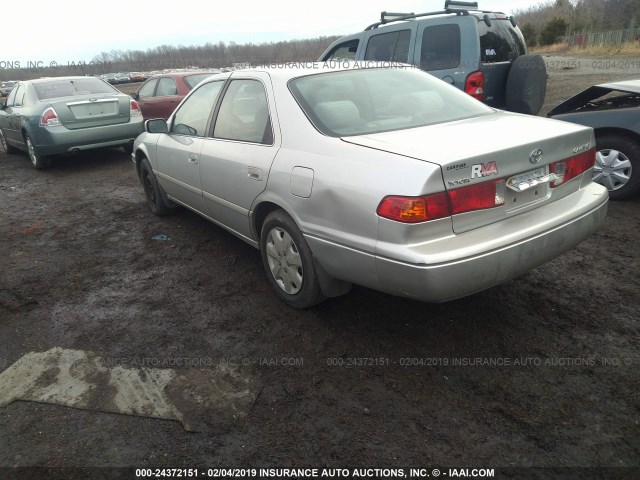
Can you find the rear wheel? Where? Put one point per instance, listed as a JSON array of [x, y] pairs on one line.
[[617, 165], [38, 161], [288, 261], [153, 190], [5, 146]]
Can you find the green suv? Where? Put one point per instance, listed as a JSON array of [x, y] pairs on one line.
[[480, 52]]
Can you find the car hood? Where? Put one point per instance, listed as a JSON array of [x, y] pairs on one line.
[[592, 93]]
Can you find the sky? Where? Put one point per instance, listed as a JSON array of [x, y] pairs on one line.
[[75, 31]]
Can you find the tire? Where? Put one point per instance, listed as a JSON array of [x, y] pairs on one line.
[[526, 85], [5, 146], [617, 165], [288, 262], [39, 162], [153, 191]]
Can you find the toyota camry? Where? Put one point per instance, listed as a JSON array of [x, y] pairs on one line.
[[372, 174]]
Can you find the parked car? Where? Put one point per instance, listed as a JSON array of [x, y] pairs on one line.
[[136, 77], [122, 78], [67, 114], [6, 87], [480, 52], [613, 111], [383, 177], [160, 95], [110, 78]]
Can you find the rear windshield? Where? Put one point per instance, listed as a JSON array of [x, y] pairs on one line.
[[501, 42], [193, 80], [72, 87], [373, 100]]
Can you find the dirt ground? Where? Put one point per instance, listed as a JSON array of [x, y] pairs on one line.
[[364, 380]]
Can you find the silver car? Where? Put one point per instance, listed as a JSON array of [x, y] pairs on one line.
[[383, 177]]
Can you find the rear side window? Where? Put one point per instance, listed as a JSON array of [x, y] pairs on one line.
[[500, 42], [193, 80], [440, 47], [166, 87], [392, 46]]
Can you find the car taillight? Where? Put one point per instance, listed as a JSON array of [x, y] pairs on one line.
[[477, 197], [570, 168], [135, 109], [444, 204], [474, 85], [414, 209], [49, 118]]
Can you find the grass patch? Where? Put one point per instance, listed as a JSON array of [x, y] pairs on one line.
[[629, 49]]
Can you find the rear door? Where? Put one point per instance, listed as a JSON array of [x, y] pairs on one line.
[[236, 161], [14, 114]]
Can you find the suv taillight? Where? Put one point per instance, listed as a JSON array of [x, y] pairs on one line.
[[474, 85], [570, 168]]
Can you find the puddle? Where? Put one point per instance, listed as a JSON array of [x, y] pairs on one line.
[[211, 399]]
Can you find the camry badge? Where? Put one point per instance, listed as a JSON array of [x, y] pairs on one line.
[[535, 156]]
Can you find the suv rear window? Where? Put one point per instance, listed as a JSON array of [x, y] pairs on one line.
[[500, 42], [440, 47], [392, 46]]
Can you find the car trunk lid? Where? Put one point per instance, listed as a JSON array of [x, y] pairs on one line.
[[515, 149], [92, 111]]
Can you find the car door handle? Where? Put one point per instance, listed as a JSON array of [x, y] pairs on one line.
[[193, 158], [255, 173]]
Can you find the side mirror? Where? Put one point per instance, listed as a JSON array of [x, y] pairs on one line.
[[156, 125], [135, 96]]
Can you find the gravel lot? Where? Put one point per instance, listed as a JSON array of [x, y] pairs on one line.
[[364, 380]]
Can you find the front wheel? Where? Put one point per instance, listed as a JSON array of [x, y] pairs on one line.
[[617, 165], [38, 161], [288, 261]]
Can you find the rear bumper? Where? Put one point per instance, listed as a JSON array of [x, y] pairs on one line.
[[472, 261], [59, 140]]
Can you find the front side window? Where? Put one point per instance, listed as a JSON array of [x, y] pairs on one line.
[[244, 114], [193, 115], [11, 98], [392, 46], [440, 48], [193, 80], [344, 51], [366, 101]]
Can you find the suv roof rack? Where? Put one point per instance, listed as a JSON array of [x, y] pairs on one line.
[[450, 6]]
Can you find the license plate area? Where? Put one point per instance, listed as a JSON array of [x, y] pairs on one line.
[[83, 111], [527, 188]]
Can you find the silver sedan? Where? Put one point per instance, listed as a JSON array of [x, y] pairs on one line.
[[383, 177]]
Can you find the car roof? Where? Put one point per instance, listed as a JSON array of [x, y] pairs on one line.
[[291, 70]]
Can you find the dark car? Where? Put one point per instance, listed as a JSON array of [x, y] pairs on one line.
[[613, 111], [480, 52], [160, 95]]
